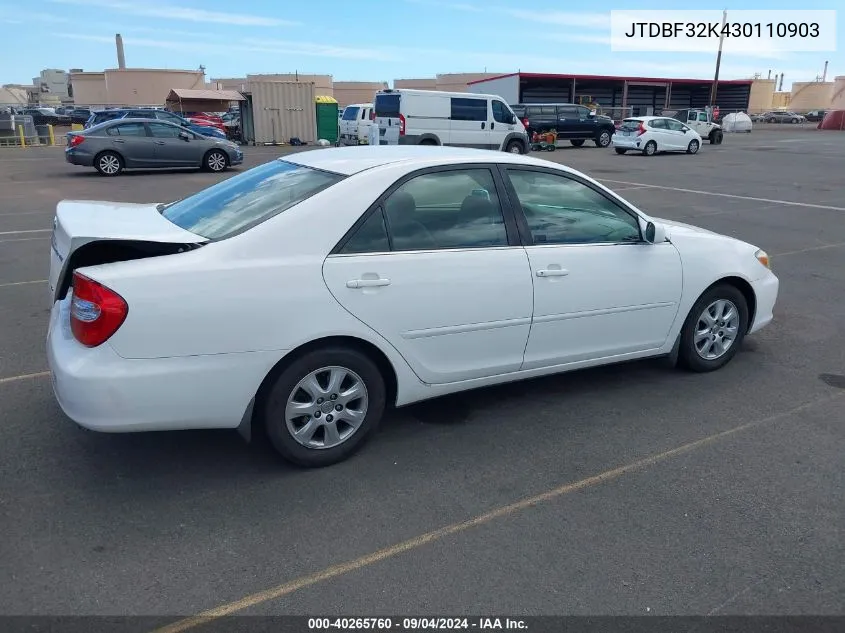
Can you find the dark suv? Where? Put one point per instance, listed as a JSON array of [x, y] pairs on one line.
[[572, 122]]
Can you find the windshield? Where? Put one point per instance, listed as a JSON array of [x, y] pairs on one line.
[[630, 124], [248, 199], [350, 113]]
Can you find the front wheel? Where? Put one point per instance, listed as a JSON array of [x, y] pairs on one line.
[[794, 121], [693, 146], [714, 329], [577, 142], [650, 148], [514, 147], [216, 161], [324, 406], [621, 150], [603, 139]]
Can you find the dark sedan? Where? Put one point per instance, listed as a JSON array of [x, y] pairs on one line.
[[122, 144]]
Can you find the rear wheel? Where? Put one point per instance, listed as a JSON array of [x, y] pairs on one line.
[[794, 121], [620, 150], [323, 406], [428, 141], [577, 142], [109, 164], [650, 148], [603, 139], [714, 329], [514, 147], [215, 161], [693, 146]]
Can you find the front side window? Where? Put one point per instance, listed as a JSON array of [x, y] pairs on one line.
[[674, 125], [501, 113], [583, 112], [702, 116], [560, 210], [128, 129], [469, 109], [248, 199]]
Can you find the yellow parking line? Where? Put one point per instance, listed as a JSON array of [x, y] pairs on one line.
[[23, 283], [39, 374], [435, 535]]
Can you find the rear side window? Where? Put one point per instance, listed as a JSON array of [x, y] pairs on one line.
[[127, 129], [350, 114], [248, 199], [469, 109], [387, 105]]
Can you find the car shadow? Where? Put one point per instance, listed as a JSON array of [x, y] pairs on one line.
[[173, 171]]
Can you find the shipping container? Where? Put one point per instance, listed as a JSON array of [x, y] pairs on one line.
[[280, 111]]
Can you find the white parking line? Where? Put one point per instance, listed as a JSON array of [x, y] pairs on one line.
[[26, 239], [25, 213], [809, 250], [39, 374], [30, 231], [629, 188], [23, 283], [729, 195]]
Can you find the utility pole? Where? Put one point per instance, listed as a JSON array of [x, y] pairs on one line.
[[718, 59]]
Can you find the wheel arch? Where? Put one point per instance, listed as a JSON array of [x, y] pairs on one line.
[[215, 149], [745, 288]]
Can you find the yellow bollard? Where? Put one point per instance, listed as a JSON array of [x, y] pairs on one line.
[[52, 136], [23, 138]]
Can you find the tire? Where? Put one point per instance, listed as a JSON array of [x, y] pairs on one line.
[[109, 163], [620, 150], [693, 147], [715, 138], [650, 149], [696, 325], [577, 142], [603, 139], [514, 147], [793, 121], [352, 432], [428, 141], [215, 161]]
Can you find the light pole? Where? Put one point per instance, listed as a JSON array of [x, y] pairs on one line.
[[718, 59]]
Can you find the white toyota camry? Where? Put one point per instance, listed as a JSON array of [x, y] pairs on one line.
[[310, 293]]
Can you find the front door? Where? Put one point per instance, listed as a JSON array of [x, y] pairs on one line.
[[503, 123], [173, 151], [436, 271], [132, 142], [680, 138], [469, 124], [599, 289]]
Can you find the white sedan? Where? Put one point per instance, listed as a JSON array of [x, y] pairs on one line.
[[653, 134], [310, 293]]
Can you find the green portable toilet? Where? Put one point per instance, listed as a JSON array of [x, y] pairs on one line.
[[327, 119]]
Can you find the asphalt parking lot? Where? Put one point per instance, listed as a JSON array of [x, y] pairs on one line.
[[657, 492]]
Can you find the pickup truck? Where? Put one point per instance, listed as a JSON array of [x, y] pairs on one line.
[[571, 122]]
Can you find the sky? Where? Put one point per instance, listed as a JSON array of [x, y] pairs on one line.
[[368, 40]]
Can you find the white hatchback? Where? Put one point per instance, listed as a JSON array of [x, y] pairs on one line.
[[653, 134], [309, 293]]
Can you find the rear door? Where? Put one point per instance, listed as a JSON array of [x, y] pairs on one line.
[[364, 122], [173, 151], [133, 143], [388, 117], [470, 123]]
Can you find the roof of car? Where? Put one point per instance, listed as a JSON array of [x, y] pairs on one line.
[[354, 159]]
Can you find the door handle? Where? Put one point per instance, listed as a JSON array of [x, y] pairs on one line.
[[493, 125], [119, 140], [552, 272], [159, 142], [367, 283], [482, 125]]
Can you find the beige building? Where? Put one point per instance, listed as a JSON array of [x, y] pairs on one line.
[[131, 86], [837, 101], [810, 95], [416, 84], [762, 95], [347, 92]]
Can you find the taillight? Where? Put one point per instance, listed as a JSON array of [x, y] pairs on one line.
[[372, 115], [401, 125], [96, 312], [641, 129], [525, 122], [75, 139]]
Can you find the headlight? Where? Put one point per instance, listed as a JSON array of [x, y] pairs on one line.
[[763, 257]]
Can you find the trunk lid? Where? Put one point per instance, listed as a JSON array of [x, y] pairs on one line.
[[121, 231]]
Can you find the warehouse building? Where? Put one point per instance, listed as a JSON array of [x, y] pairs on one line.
[[641, 95]]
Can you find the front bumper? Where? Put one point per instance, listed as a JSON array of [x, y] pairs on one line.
[[102, 391], [766, 292]]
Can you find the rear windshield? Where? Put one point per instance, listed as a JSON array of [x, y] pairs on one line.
[[387, 106], [350, 114], [248, 199], [630, 124]]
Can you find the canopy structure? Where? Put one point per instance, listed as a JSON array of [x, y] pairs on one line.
[[184, 100], [833, 120], [737, 122]]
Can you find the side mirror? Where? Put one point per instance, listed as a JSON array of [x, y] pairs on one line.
[[512, 120], [655, 233], [184, 136]]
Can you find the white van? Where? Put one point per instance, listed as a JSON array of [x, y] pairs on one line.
[[355, 124], [430, 117]]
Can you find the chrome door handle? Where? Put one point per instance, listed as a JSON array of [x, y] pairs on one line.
[[552, 272], [159, 142], [119, 140], [367, 283]]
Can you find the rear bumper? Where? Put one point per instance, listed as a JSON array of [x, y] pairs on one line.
[[627, 142], [75, 156], [102, 391], [766, 293]]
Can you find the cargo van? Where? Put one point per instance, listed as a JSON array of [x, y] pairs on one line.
[[355, 124], [461, 119]]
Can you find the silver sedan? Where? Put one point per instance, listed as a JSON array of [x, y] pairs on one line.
[[122, 144]]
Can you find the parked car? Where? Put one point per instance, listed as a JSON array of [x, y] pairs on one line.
[[151, 113], [570, 122], [41, 116], [654, 134], [784, 117], [815, 115], [355, 124], [431, 117], [700, 120], [205, 119], [122, 144], [79, 115], [309, 293]]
